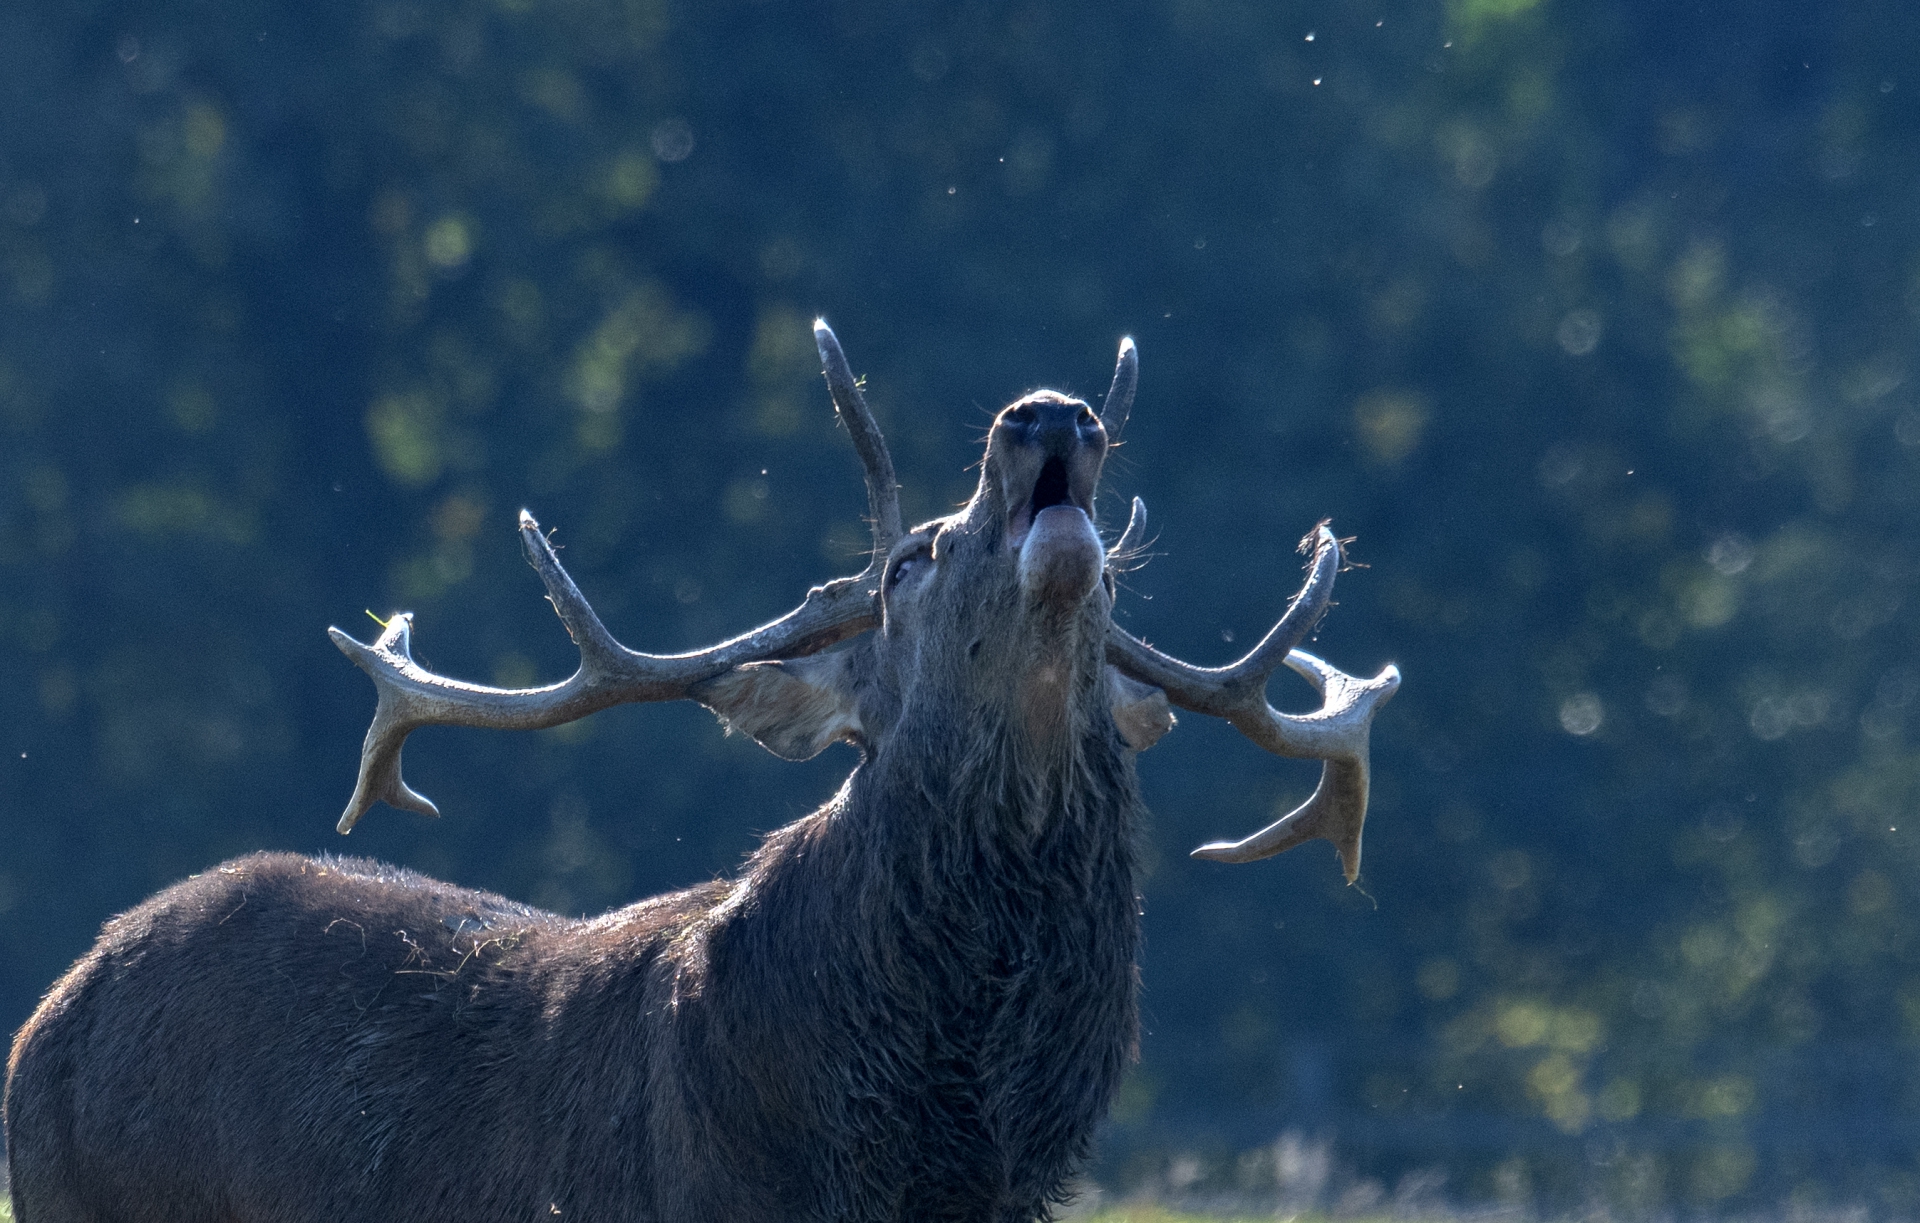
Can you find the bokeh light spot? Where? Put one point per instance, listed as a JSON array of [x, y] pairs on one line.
[[1581, 714]]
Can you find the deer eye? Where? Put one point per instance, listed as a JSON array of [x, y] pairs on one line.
[[913, 562]]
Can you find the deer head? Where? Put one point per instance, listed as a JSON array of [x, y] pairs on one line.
[[993, 622]]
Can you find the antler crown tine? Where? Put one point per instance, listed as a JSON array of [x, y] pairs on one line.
[[1118, 405], [883, 488]]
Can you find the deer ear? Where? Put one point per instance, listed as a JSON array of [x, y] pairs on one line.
[[1139, 710], [794, 709]]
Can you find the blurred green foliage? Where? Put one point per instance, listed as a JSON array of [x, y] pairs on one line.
[[1594, 322]]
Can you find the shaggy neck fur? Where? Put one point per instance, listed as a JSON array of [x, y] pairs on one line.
[[972, 1008]]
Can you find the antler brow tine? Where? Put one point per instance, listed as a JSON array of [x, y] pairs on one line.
[[1337, 733], [409, 696]]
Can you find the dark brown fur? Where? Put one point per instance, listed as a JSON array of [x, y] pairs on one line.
[[914, 1003]]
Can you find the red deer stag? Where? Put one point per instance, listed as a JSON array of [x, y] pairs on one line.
[[913, 1004]]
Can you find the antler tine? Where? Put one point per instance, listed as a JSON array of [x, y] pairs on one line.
[[1221, 690], [1134, 536], [883, 490], [1118, 404], [1337, 733]]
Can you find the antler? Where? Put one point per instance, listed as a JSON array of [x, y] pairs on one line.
[[1118, 404], [611, 674], [1335, 733]]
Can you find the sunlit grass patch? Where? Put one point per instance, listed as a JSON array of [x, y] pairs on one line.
[[1160, 1214]]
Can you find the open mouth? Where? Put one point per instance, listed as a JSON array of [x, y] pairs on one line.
[[1052, 488]]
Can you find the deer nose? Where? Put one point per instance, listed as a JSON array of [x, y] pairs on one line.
[[1057, 429], [1055, 432]]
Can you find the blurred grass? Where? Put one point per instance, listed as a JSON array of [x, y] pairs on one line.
[[1160, 1214], [1133, 1214]]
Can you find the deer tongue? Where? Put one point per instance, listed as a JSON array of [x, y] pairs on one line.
[[1061, 559], [1060, 565]]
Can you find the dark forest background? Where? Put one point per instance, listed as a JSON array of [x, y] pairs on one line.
[[1594, 322]]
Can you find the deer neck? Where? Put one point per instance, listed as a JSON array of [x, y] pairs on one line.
[[996, 832]]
